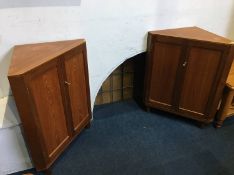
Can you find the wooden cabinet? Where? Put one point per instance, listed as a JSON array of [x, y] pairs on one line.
[[50, 85], [186, 71]]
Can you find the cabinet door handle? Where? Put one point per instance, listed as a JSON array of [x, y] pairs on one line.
[[67, 83], [185, 63]]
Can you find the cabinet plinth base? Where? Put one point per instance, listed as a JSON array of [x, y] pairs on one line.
[[48, 172], [88, 125]]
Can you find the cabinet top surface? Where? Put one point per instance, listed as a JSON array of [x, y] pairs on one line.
[[194, 33], [29, 56]]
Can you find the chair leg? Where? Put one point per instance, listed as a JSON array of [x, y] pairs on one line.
[[225, 104]]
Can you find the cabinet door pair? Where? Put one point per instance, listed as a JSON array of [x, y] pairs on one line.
[[59, 93], [185, 76]]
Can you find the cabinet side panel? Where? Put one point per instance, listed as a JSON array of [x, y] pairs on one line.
[[75, 74], [165, 62], [30, 131], [200, 75], [227, 60], [46, 94]]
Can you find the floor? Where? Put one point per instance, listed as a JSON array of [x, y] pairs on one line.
[[126, 140]]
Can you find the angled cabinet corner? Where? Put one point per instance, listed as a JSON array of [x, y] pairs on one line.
[[186, 71], [52, 110]]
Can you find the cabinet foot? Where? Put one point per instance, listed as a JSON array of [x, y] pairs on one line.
[[88, 125], [202, 125], [148, 109], [47, 172]]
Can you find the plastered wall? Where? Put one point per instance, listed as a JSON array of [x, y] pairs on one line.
[[114, 30]]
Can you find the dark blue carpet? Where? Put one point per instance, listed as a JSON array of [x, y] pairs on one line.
[[126, 140]]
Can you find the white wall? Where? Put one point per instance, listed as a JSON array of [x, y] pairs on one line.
[[114, 30]]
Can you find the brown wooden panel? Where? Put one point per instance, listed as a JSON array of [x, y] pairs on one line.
[[98, 100], [200, 75], [107, 97], [127, 93], [76, 83], [28, 120], [128, 80], [117, 95], [118, 70], [128, 66], [116, 81], [106, 85], [46, 94], [165, 61]]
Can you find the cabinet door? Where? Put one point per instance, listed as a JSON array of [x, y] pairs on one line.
[[163, 64], [201, 73], [77, 83], [45, 90]]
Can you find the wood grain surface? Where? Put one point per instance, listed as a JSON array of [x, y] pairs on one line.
[[50, 109], [188, 78], [76, 83], [164, 68]]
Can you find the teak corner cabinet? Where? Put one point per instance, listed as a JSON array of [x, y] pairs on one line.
[[186, 70], [50, 85]]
